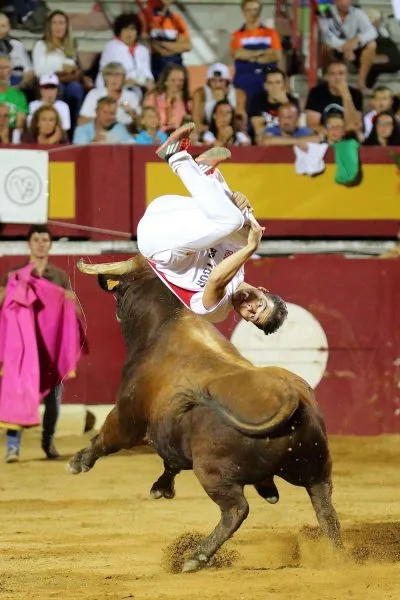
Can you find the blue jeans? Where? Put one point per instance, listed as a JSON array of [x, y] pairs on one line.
[[73, 94], [52, 403]]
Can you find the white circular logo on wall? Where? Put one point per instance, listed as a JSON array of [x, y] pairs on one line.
[[300, 345], [23, 186]]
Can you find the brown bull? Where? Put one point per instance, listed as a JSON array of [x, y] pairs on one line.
[[205, 407]]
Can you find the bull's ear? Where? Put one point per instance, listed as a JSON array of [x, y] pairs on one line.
[[107, 283]]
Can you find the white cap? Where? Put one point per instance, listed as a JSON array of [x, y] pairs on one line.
[[49, 79], [218, 70]]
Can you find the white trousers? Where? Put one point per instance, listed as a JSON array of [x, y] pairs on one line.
[[181, 223]]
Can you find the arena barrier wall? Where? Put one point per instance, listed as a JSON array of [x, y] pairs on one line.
[[342, 335], [110, 186]]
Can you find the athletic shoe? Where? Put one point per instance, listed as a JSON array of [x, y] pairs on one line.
[[177, 141], [210, 159], [12, 455]]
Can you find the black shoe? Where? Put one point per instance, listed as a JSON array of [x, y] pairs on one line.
[[50, 450]]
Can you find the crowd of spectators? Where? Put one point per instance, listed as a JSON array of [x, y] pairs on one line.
[[140, 90]]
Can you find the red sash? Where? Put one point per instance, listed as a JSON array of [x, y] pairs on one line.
[[184, 296]]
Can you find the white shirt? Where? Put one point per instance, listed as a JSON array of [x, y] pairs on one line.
[[19, 56], [61, 107], [335, 32], [192, 271], [48, 62], [368, 122], [136, 65], [239, 138], [88, 109]]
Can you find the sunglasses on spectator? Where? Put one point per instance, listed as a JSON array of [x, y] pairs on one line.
[[49, 86]]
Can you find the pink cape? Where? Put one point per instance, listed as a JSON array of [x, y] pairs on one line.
[[40, 344]]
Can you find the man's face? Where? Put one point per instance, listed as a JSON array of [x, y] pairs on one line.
[[288, 119], [39, 245], [343, 5], [48, 93], [274, 84], [106, 115], [4, 27], [382, 101], [254, 305], [5, 71], [336, 75]]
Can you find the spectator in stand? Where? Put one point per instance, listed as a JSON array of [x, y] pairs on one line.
[[49, 88], [288, 132], [348, 34], [150, 132], [171, 97], [128, 101], [263, 110], [224, 129], [382, 100], [387, 58], [218, 87], [14, 98], [22, 71], [57, 53], [125, 50], [169, 36], [104, 129], [334, 96], [385, 130], [46, 128], [8, 135], [255, 49]]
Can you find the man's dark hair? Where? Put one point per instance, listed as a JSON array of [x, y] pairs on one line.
[[275, 71], [38, 229], [382, 88], [336, 61], [125, 20], [278, 316]]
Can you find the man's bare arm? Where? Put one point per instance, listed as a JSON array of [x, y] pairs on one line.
[[227, 269]]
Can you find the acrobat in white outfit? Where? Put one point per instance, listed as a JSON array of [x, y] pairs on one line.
[[202, 241]]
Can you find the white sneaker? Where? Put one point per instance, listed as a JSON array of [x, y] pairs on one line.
[[12, 455]]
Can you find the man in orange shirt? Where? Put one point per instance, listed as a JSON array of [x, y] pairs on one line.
[[168, 35], [255, 49]]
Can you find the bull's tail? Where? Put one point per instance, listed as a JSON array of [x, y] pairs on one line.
[[190, 399]]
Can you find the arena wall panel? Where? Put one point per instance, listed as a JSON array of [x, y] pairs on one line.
[[108, 187], [342, 335]]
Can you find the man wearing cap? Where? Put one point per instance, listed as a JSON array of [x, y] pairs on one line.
[[218, 87], [49, 88]]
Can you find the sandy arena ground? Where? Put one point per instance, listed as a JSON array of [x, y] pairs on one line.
[[99, 536]]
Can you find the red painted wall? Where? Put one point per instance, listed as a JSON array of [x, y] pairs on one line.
[[110, 187], [355, 300]]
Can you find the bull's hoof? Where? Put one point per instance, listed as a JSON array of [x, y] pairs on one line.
[[81, 462], [194, 564], [158, 492], [272, 499]]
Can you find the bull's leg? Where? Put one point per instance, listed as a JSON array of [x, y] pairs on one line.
[[321, 498], [164, 487], [234, 510], [268, 491], [110, 439]]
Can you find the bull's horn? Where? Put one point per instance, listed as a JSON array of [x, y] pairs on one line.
[[115, 268]]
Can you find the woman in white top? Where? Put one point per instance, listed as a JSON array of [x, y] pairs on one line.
[[218, 87], [124, 49], [57, 53], [224, 129], [128, 102]]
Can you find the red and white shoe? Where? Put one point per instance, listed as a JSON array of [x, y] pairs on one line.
[[177, 141], [210, 159]]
